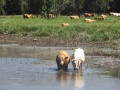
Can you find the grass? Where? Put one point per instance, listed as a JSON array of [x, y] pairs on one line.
[[107, 29], [115, 72]]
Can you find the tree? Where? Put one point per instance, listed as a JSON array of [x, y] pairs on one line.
[[73, 7], [60, 5], [115, 5], [35, 6], [13, 7], [23, 6], [96, 5], [2, 7], [57, 7], [78, 6]]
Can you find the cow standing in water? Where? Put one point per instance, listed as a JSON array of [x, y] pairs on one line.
[[78, 58], [62, 60]]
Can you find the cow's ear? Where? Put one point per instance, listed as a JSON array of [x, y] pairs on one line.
[[66, 57]]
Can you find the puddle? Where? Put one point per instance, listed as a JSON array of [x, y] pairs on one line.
[[33, 68]]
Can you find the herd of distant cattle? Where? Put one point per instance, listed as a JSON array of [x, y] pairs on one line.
[[99, 17]]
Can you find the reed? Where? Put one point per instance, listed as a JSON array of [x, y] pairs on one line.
[[115, 72]]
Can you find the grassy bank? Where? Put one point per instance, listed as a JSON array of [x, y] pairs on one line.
[[115, 72], [107, 29]]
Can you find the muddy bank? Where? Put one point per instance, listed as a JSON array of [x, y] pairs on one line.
[[53, 42], [103, 62], [101, 48]]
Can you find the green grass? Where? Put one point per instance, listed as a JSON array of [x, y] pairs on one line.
[[115, 72], [107, 29]]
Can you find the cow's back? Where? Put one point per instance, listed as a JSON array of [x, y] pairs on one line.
[[79, 54]]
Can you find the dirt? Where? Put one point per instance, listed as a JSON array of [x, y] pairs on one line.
[[52, 42]]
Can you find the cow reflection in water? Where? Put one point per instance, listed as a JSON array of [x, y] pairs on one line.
[[63, 77], [78, 80]]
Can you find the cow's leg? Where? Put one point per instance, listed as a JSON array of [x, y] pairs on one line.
[[65, 67], [81, 65], [59, 66]]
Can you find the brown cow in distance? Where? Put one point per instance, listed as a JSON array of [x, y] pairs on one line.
[[89, 14], [75, 17], [27, 15]]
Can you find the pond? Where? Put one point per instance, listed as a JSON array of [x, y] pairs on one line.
[[34, 68]]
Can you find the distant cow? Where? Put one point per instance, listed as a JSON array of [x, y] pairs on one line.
[[75, 17], [104, 16], [27, 15], [62, 60], [115, 14], [65, 24], [89, 14], [89, 20], [78, 58], [99, 18], [51, 15]]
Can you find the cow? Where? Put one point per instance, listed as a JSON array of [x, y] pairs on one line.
[[78, 58], [62, 60], [115, 14], [75, 17], [104, 16], [89, 20], [65, 24], [27, 15], [99, 18], [89, 14], [51, 15]]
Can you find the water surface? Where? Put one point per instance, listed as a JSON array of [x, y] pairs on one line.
[[33, 68]]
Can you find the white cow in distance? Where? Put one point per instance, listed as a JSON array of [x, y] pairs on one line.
[[78, 58]]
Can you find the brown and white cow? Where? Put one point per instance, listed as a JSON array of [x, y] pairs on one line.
[[62, 60], [27, 15]]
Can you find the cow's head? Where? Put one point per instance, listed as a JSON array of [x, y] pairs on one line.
[[76, 64], [62, 59]]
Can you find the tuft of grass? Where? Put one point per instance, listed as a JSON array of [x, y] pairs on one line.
[[115, 72]]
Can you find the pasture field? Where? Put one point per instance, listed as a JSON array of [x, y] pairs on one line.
[[108, 29]]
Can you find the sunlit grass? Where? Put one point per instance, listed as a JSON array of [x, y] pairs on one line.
[[107, 29]]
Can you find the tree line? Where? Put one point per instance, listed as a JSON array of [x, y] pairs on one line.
[[57, 7]]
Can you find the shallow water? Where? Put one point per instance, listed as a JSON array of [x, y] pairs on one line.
[[26, 68]]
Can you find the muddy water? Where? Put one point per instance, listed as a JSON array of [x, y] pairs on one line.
[[34, 68]]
